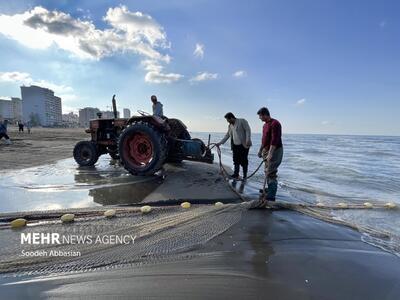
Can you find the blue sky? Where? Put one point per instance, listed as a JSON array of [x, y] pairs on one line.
[[319, 66]]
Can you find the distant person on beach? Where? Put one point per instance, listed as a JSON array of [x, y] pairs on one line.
[[271, 151], [157, 107], [240, 134], [20, 126], [29, 126], [3, 132]]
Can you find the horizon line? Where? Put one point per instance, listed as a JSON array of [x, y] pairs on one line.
[[292, 133]]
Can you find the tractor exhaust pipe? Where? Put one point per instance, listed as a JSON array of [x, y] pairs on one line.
[[114, 105]]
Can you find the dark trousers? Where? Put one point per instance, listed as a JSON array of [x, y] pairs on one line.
[[4, 135], [240, 158]]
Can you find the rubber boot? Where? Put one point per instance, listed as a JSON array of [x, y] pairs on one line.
[[272, 189]]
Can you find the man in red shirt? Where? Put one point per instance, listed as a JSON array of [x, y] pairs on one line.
[[271, 151]]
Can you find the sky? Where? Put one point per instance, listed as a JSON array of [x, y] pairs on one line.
[[319, 66]]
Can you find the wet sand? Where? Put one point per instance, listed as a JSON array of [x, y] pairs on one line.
[[42, 146], [268, 254], [65, 185]]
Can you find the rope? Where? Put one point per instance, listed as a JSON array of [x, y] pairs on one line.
[[253, 203], [309, 209], [223, 168]]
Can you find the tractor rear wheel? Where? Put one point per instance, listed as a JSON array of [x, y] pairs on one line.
[[142, 149], [85, 153]]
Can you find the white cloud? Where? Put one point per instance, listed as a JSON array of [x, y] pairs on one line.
[[19, 77], [301, 102], [239, 74], [63, 91], [128, 32], [203, 76], [158, 77], [136, 26], [325, 123], [199, 50], [155, 73]]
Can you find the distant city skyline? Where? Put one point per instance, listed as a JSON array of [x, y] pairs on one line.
[[319, 66], [40, 103]]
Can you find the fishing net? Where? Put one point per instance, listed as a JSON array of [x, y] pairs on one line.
[[163, 234]]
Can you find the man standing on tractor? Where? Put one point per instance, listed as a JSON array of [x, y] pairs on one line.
[[157, 107], [271, 151], [240, 134]]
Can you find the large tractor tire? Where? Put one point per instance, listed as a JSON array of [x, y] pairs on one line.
[[85, 153], [142, 149]]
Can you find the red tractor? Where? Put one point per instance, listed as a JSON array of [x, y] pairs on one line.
[[142, 143]]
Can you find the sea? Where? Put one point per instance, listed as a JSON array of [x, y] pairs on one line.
[[333, 169]]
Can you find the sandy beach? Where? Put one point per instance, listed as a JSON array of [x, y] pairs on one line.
[[277, 254], [42, 146], [267, 255]]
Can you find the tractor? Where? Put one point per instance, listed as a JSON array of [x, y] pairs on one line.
[[141, 143]]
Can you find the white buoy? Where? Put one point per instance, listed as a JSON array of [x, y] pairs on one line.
[[185, 205], [18, 223], [218, 204], [66, 218], [342, 205], [320, 204], [109, 213], [368, 205], [145, 209], [390, 205]]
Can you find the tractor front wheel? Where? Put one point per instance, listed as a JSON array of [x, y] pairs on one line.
[[85, 153], [142, 149]]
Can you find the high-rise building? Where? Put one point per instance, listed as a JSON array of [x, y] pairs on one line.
[[6, 109], [11, 109], [17, 108], [107, 114], [127, 113], [40, 106], [70, 120], [86, 114]]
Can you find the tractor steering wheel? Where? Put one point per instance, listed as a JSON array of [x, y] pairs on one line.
[[143, 113]]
